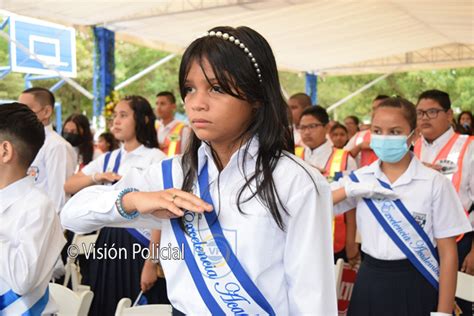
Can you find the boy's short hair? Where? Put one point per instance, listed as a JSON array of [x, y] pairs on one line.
[[42, 95], [437, 95], [303, 99], [318, 112], [167, 94], [20, 126]]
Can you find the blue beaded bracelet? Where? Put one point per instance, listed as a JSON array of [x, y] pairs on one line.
[[119, 205]]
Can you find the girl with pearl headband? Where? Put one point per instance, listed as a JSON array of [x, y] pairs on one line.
[[252, 221]]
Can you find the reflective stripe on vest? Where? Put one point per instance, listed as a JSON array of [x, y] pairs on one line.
[[299, 151], [454, 150], [367, 156], [172, 145], [337, 162]]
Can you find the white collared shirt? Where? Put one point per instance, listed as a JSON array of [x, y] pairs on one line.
[[429, 151], [31, 240], [293, 269], [164, 131], [140, 158], [319, 156], [55, 162], [428, 196]]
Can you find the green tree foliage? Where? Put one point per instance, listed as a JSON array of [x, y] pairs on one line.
[[131, 59]]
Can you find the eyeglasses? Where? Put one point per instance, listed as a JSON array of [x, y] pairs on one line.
[[302, 128], [430, 113]]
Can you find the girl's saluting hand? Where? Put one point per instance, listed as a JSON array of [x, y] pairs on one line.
[[164, 204]]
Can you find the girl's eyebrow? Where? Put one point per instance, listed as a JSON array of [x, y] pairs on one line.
[[393, 127]]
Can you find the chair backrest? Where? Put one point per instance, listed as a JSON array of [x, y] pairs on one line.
[[70, 303], [338, 273], [84, 243], [123, 308], [465, 287]]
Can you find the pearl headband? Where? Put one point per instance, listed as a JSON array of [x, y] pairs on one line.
[[237, 42]]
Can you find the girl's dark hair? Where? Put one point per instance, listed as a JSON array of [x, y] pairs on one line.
[[468, 114], [408, 109], [237, 76], [111, 140], [144, 120], [86, 147], [338, 126], [355, 119]]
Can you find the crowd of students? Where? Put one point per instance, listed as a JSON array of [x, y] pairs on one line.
[[260, 195]]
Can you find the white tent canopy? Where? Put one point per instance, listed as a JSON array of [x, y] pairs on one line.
[[325, 37]]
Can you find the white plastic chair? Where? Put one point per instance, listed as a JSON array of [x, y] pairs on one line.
[[465, 287], [124, 308], [339, 266], [83, 242], [70, 303]]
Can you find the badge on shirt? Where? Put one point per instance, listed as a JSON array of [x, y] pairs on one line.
[[174, 137], [33, 171], [420, 219], [447, 166]]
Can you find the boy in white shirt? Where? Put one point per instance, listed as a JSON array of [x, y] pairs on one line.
[[56, 161], [31, 236]]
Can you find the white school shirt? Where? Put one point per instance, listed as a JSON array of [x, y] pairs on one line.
[[293, 269], [319, 156], [164, 130], [140, 158], [31, 240], [53, 165], [428, 196], [429, 151]]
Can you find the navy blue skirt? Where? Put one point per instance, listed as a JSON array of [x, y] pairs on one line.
[[391, 288], [113, 279]]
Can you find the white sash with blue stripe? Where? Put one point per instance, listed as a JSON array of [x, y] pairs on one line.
[[406, 233], [32, 303], [225, 287]]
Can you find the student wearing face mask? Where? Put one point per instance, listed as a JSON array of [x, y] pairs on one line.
[[76, 130], [408, 216]]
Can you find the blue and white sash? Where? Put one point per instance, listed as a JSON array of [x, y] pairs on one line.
[[406, 233], [225, 288], [141, 235], [32, 303]]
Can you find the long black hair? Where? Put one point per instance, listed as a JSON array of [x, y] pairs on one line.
[[237, 76], [86, 146], [144, 120]]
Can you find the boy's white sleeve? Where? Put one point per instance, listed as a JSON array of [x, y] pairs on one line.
[[94, 207], [308, 254], [28, 260], [449, 219], [347, 204], [59, 168]]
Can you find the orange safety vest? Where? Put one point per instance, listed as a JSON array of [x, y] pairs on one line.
[[299, 151], [454, 150], [172, 144], [337, 162], [367, 156]]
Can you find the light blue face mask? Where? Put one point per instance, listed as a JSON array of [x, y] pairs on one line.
[[389, 148]]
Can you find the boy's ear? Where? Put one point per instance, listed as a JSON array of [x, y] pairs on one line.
[[48, 111], [6, 151]]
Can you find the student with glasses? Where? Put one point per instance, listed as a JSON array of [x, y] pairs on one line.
[[451, 154], [332, 162]]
